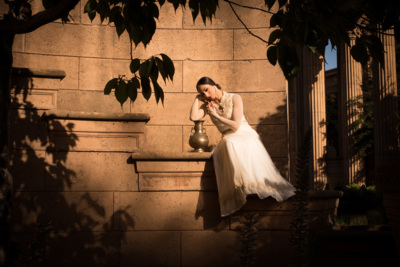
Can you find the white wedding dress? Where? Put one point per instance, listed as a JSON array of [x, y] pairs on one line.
[[242, 164]]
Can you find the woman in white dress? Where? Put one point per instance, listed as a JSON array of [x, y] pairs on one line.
[[242, 164]]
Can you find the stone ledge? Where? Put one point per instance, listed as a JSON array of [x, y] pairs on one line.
[[173, 156], [94, 116], [40, 73]]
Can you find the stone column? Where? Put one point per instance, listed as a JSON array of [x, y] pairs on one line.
[[350, 91], [386, 137], [385, 104], [311, 111]]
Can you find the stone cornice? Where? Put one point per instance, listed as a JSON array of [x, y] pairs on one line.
[[95, 116], [166, 156]]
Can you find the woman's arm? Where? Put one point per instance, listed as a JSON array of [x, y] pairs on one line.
[[237, 113], [198, 110]]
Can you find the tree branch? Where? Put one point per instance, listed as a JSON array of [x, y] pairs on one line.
[[15, 26], [237, 16], [250, 7]]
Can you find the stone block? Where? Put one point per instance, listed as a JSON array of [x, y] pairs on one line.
[[89, 101], [210, 248], [233, 76], [36, 98], [92, 135], [177, 181], [171, 210], [94, 73], [68, 64], [151, 248], [84, 249], [163, 138], [71, 40], [225, 18], [19, 43], [265, 108], [249, 47], [176, 166], [67, 211], [181, 45], [83, 171], [274, 138], [27, 167], [175, 111], [214, 136]]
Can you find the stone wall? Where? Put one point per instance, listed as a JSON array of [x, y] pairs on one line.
[[91, 54], [72, 171]]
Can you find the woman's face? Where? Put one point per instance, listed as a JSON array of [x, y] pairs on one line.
[[207, 91]]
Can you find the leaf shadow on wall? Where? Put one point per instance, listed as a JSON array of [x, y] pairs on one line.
[[50, 223]]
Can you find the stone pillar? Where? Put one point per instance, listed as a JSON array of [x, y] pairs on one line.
[[385, 104], [350, 91], [311, 111], [386, 137]]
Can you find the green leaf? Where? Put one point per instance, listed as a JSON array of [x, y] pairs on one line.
[[135, 65], [282, 3], [86, 9], [158, 91], [359, 52], [132, 90], [272, 54], [194, 8], [288, 60], [168, 66], [375, 47], [144, 69], [111, 84], [121, 92], [160, 66], [276, 34], [270, 3], [146, 89], [154, 10]]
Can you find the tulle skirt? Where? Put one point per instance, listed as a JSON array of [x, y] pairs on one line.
[[243, 167]]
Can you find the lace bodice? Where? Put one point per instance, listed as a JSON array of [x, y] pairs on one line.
[[225, 109]]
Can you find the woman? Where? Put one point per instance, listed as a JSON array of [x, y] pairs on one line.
[[242, 165]]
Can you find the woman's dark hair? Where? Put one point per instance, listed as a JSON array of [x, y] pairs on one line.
[[207, 80]]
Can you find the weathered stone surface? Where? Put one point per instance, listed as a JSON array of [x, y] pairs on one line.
[[91, 172], [249, 47], [67, 64], [28, 170], [40, 99], [74, 15], [94, 73], [187, 44], [264, 108], [90, 101], [84, 249], [19, 43], [71, 40], [177, 181], [175, 111], [28, 130], [235, 76], [163, 138], [172, 210], [89, 135], [151, 248], [210, 248], [226, 19], [274, 139], [67, 211]]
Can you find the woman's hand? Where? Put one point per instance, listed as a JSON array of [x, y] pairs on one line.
[[211, 109]]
